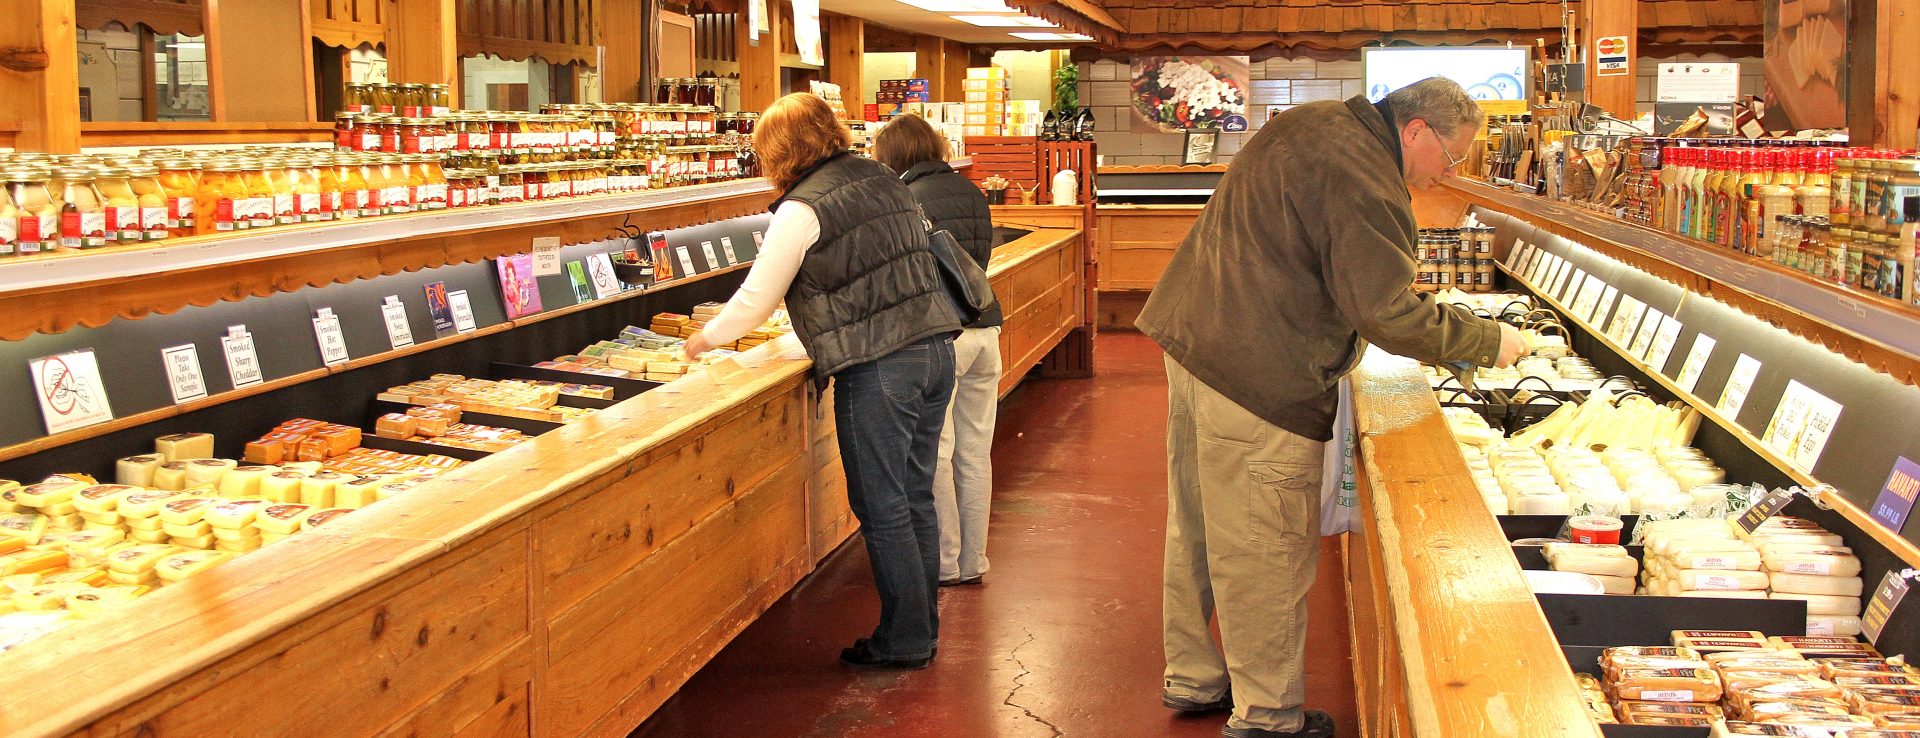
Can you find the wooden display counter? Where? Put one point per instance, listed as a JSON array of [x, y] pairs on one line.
[[565, 587], [1447, 638]]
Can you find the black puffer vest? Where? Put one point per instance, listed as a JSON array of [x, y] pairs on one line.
[[869, 286], [956, 206]]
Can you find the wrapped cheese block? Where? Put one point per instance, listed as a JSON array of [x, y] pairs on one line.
[[283, 519], [188, 532], [1823, 646], [93, 601], [1889, 722], [1721, 594], [282, 486], [187, 510], [235, 514], [182, 565], [28, 562], [1842, 667], [49, 493], [89, 577], [1720, 579], [1824, 604], [207, 472], [125, 579], [395, 425], [1883, 701], [358, 492], [145, 503], [1615, 585], [139, 559], [45, 597], [1825, 562], [1667, 685], [244, 481], [202, 543], [101, 498], [171, 476], [1739, 560], [1549, 504], [179, 446], [318, 489], [322, 517], [1712, 646], [1815, 584], [1752, 635], [29, 528], [137, 471], [308, 468], [1633, 712]]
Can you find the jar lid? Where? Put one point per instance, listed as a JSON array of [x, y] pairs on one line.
[[24, 174], [74, 173]]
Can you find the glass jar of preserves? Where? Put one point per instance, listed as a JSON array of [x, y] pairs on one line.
[[439, 99], [1873, 259], [9, 225], [414, 136], [285, 192], [685, 91], [392, 134], [408, 100], [344, 132], [385, 98], [257, 207], [358, 99], [663, 91], [152, 194], [356, 198], [512, 187], [123, 206], [83, 212], [390, 179], [429, 182], [181, 179], [38, 207], [305, 179]]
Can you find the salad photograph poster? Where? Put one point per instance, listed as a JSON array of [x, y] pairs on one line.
[[1172, 94]]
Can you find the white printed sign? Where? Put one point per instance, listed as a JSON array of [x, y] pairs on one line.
[[333, 343], [243, 364], [546, 256], [462, 311], [1696, 361], [1663, 341], [713, 259], [1627, 316], [183, 373], [1643, 337], [726, 247], [1739, 385], [399, 333], [70, 392]]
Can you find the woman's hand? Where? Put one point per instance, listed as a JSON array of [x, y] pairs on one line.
[[695, 346]]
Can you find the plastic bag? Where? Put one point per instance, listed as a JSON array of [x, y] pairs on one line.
[[1337, 480]]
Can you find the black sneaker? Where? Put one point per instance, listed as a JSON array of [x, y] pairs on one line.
[[1183, 704], [968, 582], [859, 657], [1318, 725]]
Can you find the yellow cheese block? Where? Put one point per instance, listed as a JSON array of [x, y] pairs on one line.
[[45, 494], [138, 524], [187, 510], [83, 542], [282, 486], [28, 562], [102, 498], [28, 527], [358, 492], [137, 471], [268, 538], [139, 559], [244, 481], [234, 514], [318, 489], [208, 472], [149, 536], [91, 602], [238, 548], [61, 510], [7, 501], [64, 522], [1819, 604], [302, 467], [190, 530], [46, 596], [180, 566], [202, 543], [179, 446], [171, 475], [132, 579], [147, 503], [92, 577], [102, 520], [282, 520], [322, 517]]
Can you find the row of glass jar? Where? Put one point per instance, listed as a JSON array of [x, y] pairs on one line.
[[636, 119], [686, 91], [516, 139], [1878, 262], [409, 100], [49, 203]]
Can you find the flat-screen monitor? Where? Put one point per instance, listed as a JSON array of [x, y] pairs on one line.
[[1488, 72]]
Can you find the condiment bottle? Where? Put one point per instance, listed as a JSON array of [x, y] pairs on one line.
[[1704, 192], [1842, 184], [147, 186], [1839, 243], [123, 206], [1814, 195], [83, 213]]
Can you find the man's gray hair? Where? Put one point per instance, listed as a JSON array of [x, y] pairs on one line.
[[1439, 101]]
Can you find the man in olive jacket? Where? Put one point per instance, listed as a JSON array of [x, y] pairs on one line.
[[1303, 255]]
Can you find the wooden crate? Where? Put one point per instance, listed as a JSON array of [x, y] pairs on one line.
[[1014, 158]]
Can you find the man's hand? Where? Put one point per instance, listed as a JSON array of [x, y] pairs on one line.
[[695, 346], [1513, 345]]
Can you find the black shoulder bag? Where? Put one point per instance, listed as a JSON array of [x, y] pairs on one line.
[[966, 282]]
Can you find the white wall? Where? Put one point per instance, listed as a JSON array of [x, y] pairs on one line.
[[480, 71], [1031, 73]]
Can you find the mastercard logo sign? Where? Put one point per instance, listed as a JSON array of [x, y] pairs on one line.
[[1613, 46]]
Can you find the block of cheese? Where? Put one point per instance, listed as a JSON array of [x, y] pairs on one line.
[[150, 536], [308, 468], [395, 425], [281, 486], [1818, 644], [1742, 560], [358, 492], [92, 601], [244, 481], [318, 489], [194, 531], [1780, 668], [28, 527], [1633, 712], [283, 519], [28, 562], [322, 517], [171, 476], [102, 498], [49, 493], [235, 514], [1667, 685], [207, 472], [1816, 564], [137, 471], [139, 559], [129, 579], [187, 510], [180, 446], [1797, 538], [1814, 584], [202, 543], [1720, 579], [182, 565], [45, 597], [1615, 585], [87, 542], [1718, 634], [1710, 646], [146, 503], [432, 426], [1841, 667], [1884, 701], [1819, 604], [1890, 725], [268, 449]]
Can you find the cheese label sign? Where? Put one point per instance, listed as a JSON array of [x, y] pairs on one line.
[[546, 256], [462, 311], [1696, 361], [70, 391], [685, 259], [1663, 341], [1739, 385], [1643, 338], [183, 373], [726, 247], [713, 259], [243, 364], [333, 343], [395, 314], [1897, 495], [1768, 506], [1886, 597]]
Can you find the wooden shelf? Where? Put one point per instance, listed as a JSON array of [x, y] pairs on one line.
[[53, 292], [1874, 330]]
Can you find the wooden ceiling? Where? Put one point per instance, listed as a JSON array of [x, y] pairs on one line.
[[1334, 28]]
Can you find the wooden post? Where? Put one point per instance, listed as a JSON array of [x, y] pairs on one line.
[[1602, 19], [1883, 92], [955, 70], [40, 76], [930, 64], [759, 60], [421, 44], [622, 35], [846, 46], [264, 53]]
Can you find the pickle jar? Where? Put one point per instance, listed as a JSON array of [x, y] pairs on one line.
[[181, 179], [358, 99], [152, 195], [385, 98], [38, 205], [407, 100], [513, 187], [123, 206], [439, 99], [83, 212]]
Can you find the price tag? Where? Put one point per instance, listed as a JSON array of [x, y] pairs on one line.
[[759, 239], [1886, 598], [726, 247], [1629, 313], [1696, 361], [398, 332], [333, 343], [1768, 505], [183, 373], [70, 392], [686, 260], [1897, 495], [243, 364], [1663, 341], [713, 259], [462, 311], [1643, 337], [546, 256], [1734, 395], [1822, 415]]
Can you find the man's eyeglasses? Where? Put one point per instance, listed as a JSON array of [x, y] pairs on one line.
[[1452, 163]]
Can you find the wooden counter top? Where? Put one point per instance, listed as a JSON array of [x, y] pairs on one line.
[[1476, 653], [1011, 255]]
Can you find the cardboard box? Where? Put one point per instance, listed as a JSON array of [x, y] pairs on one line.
[[983, 85], [981, 130], [986, 95], [986, 73], [991, 108]]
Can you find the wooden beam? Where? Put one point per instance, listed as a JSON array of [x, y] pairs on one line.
[[1895, 88], [40, 76], [622, 34], [1613, 92], [953, 67], [759, 62], [930, 63], [265, 58], [423, 44], [846, 47]]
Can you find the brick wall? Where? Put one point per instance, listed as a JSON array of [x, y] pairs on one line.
[[1104, 86]]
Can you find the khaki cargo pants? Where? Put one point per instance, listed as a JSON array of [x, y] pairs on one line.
[[1243, 519]]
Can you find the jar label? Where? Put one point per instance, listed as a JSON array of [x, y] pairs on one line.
[[512, 193], [370, 142], [457, 197], [283, 209], [437, 195], [412, 144], [180, 213], [9, 235], [307, 205], [396, 200], [440, 110], [124, 219], [154, 222]]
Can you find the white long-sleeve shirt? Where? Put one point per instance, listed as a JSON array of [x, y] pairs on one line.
[[793, 230]]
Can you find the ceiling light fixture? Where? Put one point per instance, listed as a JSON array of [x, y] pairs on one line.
[[1004, 21], [961, 6], [1034, 36]]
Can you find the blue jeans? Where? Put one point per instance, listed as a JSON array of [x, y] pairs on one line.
[[888, 414]]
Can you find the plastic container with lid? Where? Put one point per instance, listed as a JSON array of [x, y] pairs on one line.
[[83, 212], [152, 195]]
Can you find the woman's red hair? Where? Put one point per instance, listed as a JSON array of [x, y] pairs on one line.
[[795, 133]]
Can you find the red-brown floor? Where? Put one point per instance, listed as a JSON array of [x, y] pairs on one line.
[[1064, 637]]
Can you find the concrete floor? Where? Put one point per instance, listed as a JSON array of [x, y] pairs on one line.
[[1064, 637]]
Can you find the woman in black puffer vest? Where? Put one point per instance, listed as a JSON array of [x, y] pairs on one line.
[[847, 252], [963, 481]]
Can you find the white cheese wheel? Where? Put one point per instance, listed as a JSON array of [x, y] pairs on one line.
[[1815, 585], [1819, 604]]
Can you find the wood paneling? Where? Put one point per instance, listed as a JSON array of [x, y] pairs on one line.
[[624, 31], [759, 64], [349, 23], [265, 61], [1614, 93], [163, 17], [558, 31], [1039, 282], [421, 47], [40, 76], [677, 48], [846, 41], [1135, 243]]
